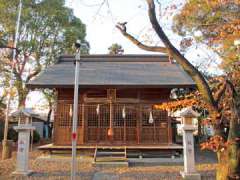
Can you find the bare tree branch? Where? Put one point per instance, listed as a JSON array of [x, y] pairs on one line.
[[33, 74], [9, 47], [202, 85], [122, 28]]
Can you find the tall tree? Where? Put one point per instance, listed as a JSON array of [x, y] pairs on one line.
[[115, 49], [217, 24], [227, 155], [47, 29]]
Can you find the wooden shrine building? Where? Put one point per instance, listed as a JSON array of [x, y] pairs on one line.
[[117, 95]]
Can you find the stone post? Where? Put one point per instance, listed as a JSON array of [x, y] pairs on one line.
[[23, 149], [187, 127]]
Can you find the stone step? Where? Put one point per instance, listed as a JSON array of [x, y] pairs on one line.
[[110, 164]]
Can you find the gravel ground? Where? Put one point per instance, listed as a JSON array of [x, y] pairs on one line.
[[59, 169]]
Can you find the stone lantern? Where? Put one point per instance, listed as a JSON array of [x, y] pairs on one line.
[[188, 144], [24, 115], [24, 129]]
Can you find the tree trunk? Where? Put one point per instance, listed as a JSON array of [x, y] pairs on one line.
[[222, 168], [233, 149], [48, 122], [22, 96], [228, 159], [228, 163], [200, 81], [233, 159], [199, 130]]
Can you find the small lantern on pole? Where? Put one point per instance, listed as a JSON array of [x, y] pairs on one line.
[[188, 144], [75, 110]]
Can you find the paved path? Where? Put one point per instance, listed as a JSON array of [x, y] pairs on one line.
[[59, 169]]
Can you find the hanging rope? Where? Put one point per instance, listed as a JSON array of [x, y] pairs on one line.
[[98, 109], [124, 112], [151, 120]]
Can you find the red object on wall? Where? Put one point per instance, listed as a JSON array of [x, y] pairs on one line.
[[74, 136], [110, 132]]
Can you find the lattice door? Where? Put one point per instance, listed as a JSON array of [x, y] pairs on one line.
[[97, 123], [157, 131], [125, 129]]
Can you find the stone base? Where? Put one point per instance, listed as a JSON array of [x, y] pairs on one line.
[[190, 176], [22, 173]]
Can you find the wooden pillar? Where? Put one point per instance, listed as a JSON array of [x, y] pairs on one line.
[[124, 129], [111, 94], [139, 123], [169, 129], [83, 123], [56, 123], [110, 130], [139, 118], [98, 123], [154, 130]]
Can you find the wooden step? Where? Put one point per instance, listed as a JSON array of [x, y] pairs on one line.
[[109, 153], [111, 147], [107, 156]]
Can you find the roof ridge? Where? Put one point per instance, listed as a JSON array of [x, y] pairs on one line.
[[116, 58]]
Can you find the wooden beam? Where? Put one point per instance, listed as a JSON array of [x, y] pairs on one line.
[[121, 100], [111, 94], [93, 146]]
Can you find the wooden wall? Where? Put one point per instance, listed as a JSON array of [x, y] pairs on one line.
[[154, 95], [136, 100]]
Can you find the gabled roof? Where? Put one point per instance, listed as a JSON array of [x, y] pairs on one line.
[[114, 70], [28, 112]]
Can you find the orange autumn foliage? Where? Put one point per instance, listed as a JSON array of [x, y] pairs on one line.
[[178, 104], [216, 143]]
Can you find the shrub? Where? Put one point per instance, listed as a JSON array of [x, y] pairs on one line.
[[12, 135], [36, 137]]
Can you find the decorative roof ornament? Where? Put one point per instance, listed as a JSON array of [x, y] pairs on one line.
[[151, 120]]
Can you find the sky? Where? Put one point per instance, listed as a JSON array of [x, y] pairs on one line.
[[101, 32], [100, 20]]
